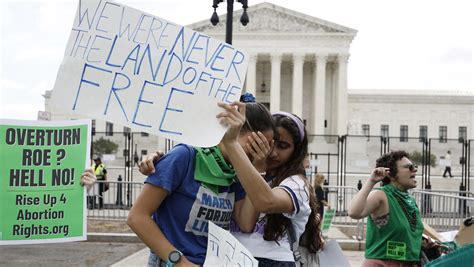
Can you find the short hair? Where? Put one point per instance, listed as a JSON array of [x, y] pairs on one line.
[[389, 160]]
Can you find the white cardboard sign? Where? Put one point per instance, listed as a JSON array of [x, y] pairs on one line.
[[223, 249], [129, 67]]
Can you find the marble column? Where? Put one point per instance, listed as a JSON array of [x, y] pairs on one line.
[[251, 81], [342, 100], [319, 100], [275, 82], [297, 90]]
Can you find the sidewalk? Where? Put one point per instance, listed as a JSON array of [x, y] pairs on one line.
[[116, 249], [140, 258], [355, 257]]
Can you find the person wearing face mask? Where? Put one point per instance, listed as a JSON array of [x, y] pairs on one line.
[[394, 225]]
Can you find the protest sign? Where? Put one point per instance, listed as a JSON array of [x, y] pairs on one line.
[[129, 67], [332, 255], [224, 250], [327, 219], [41, 199]]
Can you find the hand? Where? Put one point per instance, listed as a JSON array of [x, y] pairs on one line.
[[378, 174], [147, 165], [259, 149], [233, 116], [88, 178]]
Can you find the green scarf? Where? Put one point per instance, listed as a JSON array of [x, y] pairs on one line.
[[211, 169], [406, 202]]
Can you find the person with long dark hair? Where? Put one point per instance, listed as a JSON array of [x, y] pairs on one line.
[[286, 204]]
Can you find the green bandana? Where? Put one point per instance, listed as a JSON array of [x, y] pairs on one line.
[[407, 204], [211, 169]]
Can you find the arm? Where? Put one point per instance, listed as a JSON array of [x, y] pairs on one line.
[[366, 202], [140, 221], [263, 198], [245, 215]]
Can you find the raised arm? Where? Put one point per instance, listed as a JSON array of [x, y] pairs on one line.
[[366, 202], [263, 197]]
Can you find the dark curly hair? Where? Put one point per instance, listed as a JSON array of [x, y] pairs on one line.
[[277, 224], [389, 160]]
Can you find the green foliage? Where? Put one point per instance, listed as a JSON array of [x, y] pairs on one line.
[[104, 146], [417, 158]]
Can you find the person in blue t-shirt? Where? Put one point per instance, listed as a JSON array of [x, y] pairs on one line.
[[288, 200], [192, 186]]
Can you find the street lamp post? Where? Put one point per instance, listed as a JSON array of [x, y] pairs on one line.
[[244, 19]]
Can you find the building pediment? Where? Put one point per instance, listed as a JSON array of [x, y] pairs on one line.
[[270, 18]]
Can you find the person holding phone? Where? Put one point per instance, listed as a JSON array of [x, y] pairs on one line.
[[394, 225]]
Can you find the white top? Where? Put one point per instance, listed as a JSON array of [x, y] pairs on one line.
[[280, 251], [447, 159]]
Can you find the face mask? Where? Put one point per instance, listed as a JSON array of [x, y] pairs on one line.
[[308, 172]]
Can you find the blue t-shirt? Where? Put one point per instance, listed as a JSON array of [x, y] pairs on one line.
[[184, 214]]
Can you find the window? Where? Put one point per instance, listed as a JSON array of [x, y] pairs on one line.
[[384, 130], [109, 129], [423, 133], [462, 133], [403, 133], [93, 127], [126, 131], [144, 152], [366, 129], [443, 134], [144, 134]]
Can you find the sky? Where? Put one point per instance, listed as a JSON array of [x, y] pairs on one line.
[[402, 44]]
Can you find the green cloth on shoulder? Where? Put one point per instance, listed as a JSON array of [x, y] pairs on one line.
[[211, 168]]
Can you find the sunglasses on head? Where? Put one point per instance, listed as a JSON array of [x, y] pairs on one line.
[[411, 167]]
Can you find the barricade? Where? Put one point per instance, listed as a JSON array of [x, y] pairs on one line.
[[116, 201]]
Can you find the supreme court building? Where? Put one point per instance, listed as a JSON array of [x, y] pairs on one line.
[[299, 63]]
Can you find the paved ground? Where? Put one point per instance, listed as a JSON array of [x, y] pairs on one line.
[[67, 254], [101, 253], [114, 254]]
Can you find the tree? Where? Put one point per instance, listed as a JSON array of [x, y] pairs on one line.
[[104, 146], [417, 158]]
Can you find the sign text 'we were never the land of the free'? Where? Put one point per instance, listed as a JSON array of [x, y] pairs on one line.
[[132, 68]]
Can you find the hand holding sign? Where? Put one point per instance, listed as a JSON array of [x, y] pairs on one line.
[[39, 199], [129, 67]]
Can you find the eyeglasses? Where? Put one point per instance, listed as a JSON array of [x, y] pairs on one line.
[[411, 167]]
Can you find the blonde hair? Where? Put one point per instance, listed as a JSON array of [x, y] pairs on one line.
[[318, 179]]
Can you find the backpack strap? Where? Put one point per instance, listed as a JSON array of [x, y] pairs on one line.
[[293, 242]]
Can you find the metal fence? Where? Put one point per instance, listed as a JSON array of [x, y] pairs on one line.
[[444, 211], [113, 204]]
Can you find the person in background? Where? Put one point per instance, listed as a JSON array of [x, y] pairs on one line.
[[100, 172], [320, 195], [447, 168], [394, 225]]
